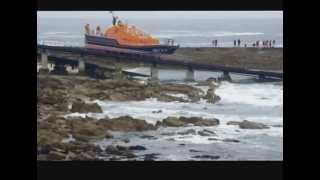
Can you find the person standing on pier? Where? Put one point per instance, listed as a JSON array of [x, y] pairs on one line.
[[87, 28], [239, 41], [216, 42], [234, 43], [273, 43], [98, 31]]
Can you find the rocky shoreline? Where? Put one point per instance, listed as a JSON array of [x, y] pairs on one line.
[[72, 138]]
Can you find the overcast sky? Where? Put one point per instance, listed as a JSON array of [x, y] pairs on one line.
[[166, 14]]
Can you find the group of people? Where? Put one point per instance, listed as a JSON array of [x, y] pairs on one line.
[[92, 32], [215, 43], [265, 44]]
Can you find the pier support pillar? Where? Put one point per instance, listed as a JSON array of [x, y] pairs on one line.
[[118, 75], [225, 76], [59, 69], [81, 66], [44, 63], [154, 73], [189, 75]]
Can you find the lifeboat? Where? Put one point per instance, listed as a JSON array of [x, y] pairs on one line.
[[126, 36]]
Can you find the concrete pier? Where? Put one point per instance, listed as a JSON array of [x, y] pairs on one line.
[[226, 76], [118, 72], [189, 75], [82, 65], [154, 72]]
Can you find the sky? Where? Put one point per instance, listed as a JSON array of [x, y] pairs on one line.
[[166, 14]]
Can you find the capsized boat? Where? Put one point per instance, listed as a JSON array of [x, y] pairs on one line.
[[121, 35]]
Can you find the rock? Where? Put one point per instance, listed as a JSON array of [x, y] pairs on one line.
[[189, 131], [120, 151], [126, 123], [172, 122], [82, 107], [184, 121], [148, 137], [182, 144], [230, 140], [71, 156], [126, 140], [137, 148], [44, 150], [277, 125], [54, 155], [151, 157], [156, 112], [252, 125], [192, 150], [213, 139], [206, 157], [233, 123], [206, 132], [122, 148], [168, 134], [112, 150]]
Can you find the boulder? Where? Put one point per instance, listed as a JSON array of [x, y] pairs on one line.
[[54, 155], [82, 107], [233, 123], [126, 123], [137, 148], [206, 132], [151, 157], [206, 157], [230, 140], [184, 121], [186, 132], [252, 125]]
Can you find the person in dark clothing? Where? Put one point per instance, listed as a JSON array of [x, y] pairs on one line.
[[273, 43], [270, 45], [234, 43], [114, 20], [239, 42], [216, 43]]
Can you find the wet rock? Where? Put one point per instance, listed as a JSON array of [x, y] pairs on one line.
[[206, 157], [206, 132], [193, 150], [252, 125], [277, 125], [126, 123], [213, 139], [120, 151], [230, 140], [156, 112], [54, 155], [187, 132], [86, 129], [233, 123], [126, 140], [168, 134], [82, 107], [148, 137], [151, 157], [171, 121], [184, 121], [44, 150], [137, 148]]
